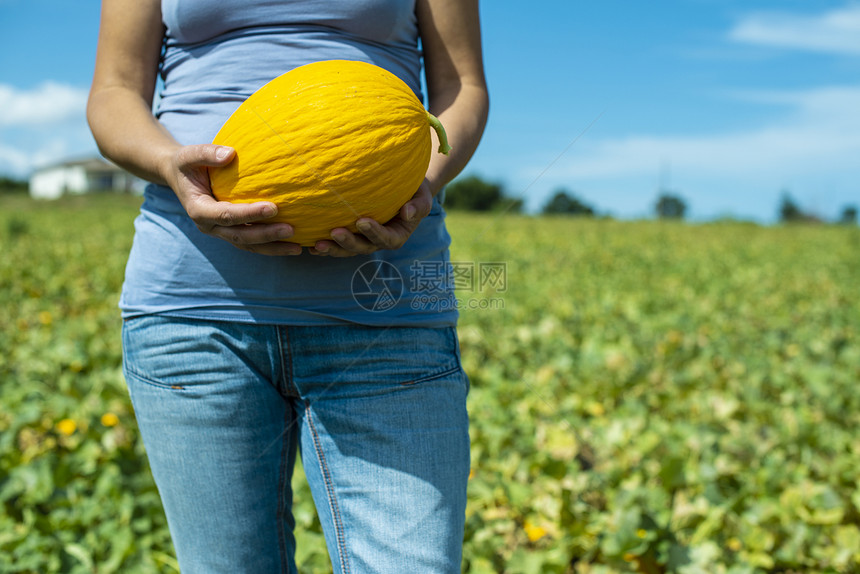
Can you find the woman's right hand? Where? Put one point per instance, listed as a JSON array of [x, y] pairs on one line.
[[242, 224], [123, 86]]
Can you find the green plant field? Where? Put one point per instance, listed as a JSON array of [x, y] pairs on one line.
[[646, 397]]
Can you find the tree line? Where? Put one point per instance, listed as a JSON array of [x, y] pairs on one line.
[[473, 193], [12, 185]]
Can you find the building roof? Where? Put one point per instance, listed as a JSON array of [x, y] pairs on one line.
[[89, 163]]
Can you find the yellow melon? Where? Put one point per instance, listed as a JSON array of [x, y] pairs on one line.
[[329, 143]]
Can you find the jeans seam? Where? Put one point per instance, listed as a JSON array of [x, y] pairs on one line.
[[330, 495], [286, 382], [130, 372], [282, 485], [434, 376]]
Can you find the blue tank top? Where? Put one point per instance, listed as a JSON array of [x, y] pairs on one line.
[[215, 55]]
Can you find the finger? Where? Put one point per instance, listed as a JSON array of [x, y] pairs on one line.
[[253, 234], [390, 236], [344, 243], [265, 238], [207, 212], [418, 207], [330, 249], [210, 155]]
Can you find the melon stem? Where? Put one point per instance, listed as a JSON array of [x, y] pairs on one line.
[[440, 131]]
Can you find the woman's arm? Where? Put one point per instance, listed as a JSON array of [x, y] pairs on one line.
[[457, 95], [119, 112], [457, 89]]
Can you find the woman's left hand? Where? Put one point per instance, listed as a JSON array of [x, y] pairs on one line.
[[373, 235]]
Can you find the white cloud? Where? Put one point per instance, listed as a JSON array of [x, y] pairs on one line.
[[48, 103], [821, 132], [66, 143], [836, 31], [42, 125], [814, 147]]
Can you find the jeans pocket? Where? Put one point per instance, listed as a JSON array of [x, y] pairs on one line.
[[155, 352], [182, 354], [411, 356], [377, 358], [431, 377]]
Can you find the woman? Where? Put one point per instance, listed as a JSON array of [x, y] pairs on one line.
[[240, 349]]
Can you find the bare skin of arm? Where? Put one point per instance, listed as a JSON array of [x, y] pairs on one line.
[[457, 95], [119, 112]]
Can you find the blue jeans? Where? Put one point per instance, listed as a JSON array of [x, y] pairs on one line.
[[378, 416]]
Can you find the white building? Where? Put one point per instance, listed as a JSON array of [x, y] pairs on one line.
[[82, 176]]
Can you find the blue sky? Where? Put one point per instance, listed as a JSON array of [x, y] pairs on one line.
[[729, 103]]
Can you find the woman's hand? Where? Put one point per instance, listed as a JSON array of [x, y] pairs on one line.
[[374, 235], [242, 224], [457, 95], [119, 111]]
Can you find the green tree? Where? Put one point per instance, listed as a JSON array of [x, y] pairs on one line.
[[476, 194], [789, 210], [849, 215], [565, 203], [8, 184], [670, 206]]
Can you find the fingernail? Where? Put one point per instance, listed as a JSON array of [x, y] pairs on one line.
[[222, 152], [270, 211], [410, 212], [363, 225]]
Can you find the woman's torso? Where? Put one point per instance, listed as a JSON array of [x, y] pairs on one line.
[[216, 55]]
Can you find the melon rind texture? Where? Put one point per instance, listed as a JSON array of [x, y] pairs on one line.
[[329, 143]]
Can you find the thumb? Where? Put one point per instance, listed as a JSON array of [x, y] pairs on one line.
[[206, 155], [224, 154], [419, 206]]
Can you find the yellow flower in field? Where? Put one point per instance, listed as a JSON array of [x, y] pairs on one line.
[[533, 531], [544, 375], [471, 473], [67, 427], [615, 361], [110, 420], [595, 409], [641, 533], [675, 337], [45, 317], [734, 544]]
